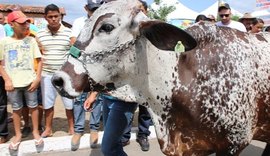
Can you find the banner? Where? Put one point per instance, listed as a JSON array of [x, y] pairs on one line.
[[262, 4]]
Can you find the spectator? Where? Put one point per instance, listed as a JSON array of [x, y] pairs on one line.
[[200, 18], [8, 29], [25, 111], [3, 95], [18, 53], [257, 25], [2, 19], [211, 18], [54, 41], [78, 110], [144, 118], [117, 114], [224, 12], [246, 20]]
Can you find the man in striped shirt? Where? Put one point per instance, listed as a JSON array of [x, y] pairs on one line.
[[55, 42]]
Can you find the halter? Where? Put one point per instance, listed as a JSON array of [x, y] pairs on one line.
[[96, 57]]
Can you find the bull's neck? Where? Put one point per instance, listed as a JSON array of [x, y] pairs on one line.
[[156, 68]]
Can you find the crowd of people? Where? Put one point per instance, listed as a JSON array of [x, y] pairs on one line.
[[246, 23], [28, 59]]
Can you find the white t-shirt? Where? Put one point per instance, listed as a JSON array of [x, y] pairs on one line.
[[78, 25], [234, 25]]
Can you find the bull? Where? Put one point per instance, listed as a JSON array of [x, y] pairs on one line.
[[212, 98]]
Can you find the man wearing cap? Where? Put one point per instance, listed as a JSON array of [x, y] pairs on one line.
[[31, 32], [78, 109], [247, 20], [224, 12], [9, 30], [18, 53]]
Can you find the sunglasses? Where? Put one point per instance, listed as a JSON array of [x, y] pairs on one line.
[[222, 15]]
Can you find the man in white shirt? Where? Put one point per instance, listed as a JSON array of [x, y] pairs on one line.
[[224, 12]]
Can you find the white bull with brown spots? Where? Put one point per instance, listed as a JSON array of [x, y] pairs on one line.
[[213, 98]]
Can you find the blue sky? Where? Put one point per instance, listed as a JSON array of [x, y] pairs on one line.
[[74, 8]]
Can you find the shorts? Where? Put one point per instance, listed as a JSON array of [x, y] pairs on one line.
[[17, 96], [39, 97], [49, 94]]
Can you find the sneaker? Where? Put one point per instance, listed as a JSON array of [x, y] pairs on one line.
[[143, 143], [94, 139], [75, 141], [26, 131]]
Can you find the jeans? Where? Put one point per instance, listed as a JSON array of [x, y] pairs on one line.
[[117, 115], [79, 114], [3, 109], [144, 122]]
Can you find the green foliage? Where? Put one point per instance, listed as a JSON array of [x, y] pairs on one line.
[[235, 18], [162, 12]]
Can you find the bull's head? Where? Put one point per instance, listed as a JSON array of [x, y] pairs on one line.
[[110, 45]]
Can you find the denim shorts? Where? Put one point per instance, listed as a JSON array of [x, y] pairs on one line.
[[39, 97], [16, 98]]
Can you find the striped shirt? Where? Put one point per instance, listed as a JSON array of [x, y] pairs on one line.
[[54, 48]]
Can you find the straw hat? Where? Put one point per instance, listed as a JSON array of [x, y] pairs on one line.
[[247, 16]]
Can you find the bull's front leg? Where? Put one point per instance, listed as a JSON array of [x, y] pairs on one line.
[[171, 140]]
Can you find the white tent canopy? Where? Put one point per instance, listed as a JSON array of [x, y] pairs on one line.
[[181, 11], [213, 10]]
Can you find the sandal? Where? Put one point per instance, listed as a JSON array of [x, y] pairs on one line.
[[45, 136], [39, 142], [14, 146]]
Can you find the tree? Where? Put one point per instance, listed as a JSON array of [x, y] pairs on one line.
[[161, 12]]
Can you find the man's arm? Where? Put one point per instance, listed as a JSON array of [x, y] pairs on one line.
[[90, 100]]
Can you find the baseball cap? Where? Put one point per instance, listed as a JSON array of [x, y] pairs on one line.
[[223, 6], [93, 4], [17, 16]]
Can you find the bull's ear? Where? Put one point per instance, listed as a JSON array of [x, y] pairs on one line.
[[165, 36]]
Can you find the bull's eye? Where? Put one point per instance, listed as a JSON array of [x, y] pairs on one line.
[[106, 28]]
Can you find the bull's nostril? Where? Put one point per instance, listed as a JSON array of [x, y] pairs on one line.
[[58, 81]]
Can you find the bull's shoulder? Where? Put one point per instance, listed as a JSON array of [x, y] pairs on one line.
[[206, 32]]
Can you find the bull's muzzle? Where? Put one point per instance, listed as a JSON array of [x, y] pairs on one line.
[[59, 84]]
